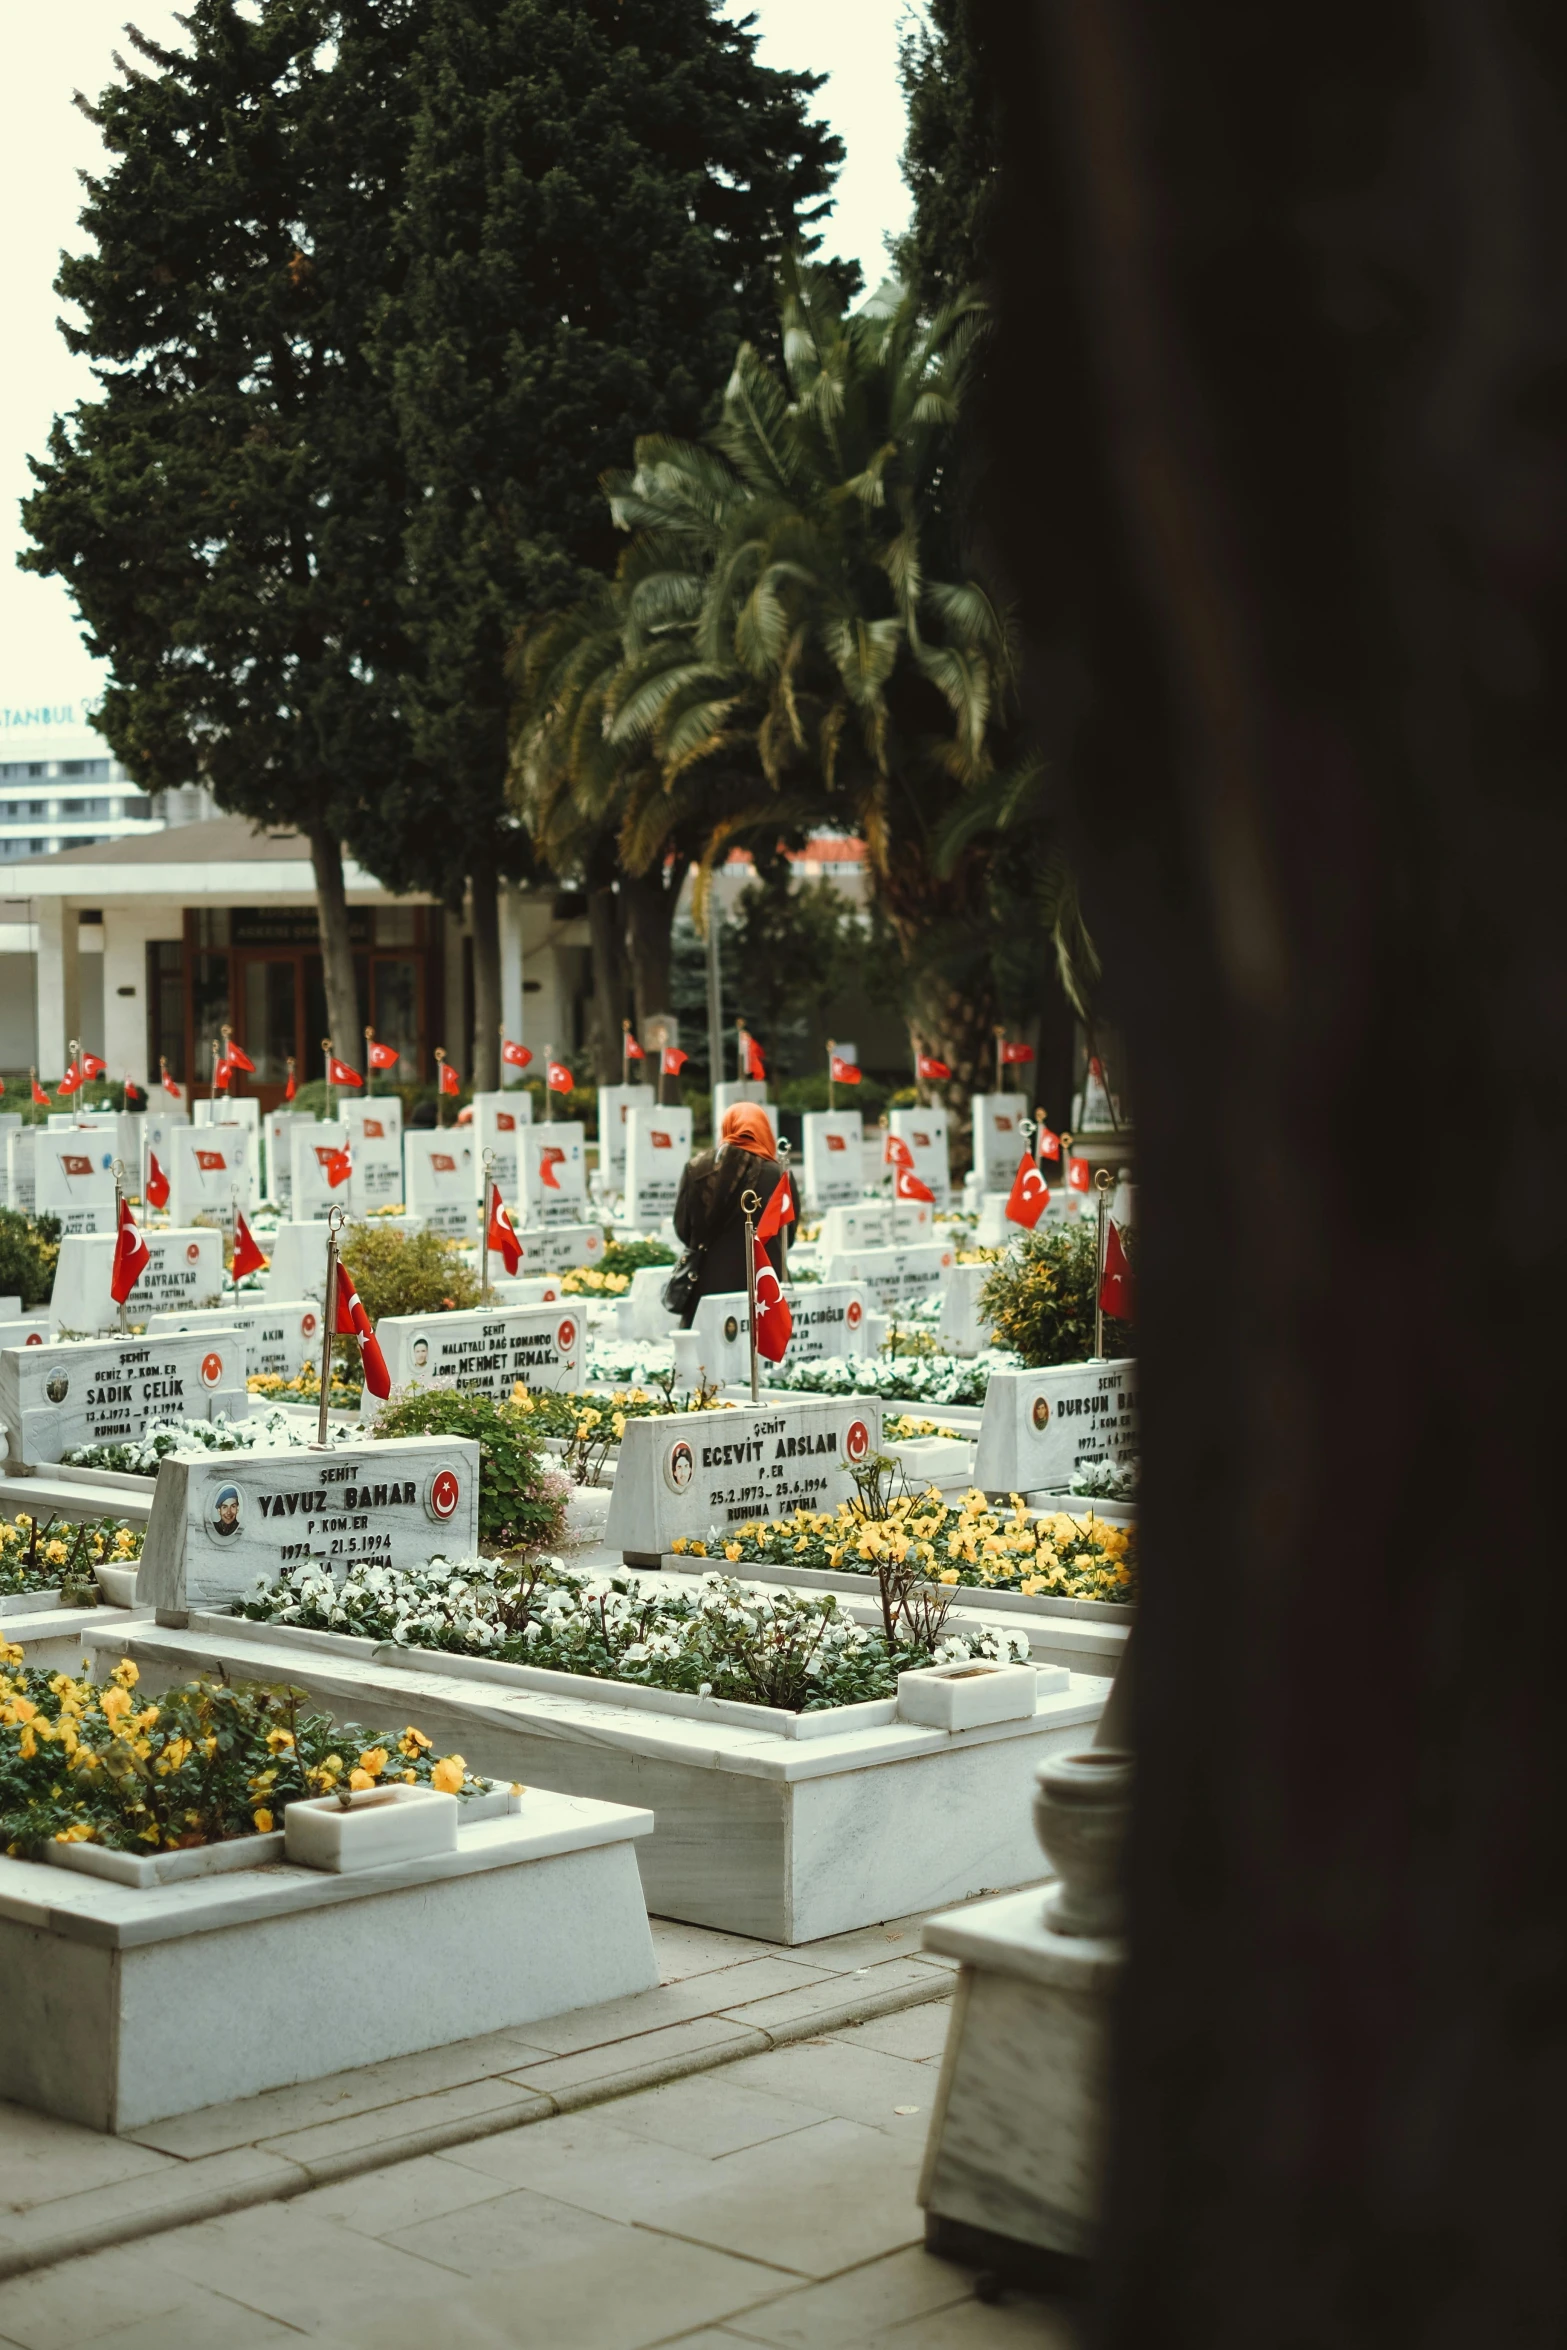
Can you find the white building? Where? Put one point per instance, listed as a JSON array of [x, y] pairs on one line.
[[61, 789]]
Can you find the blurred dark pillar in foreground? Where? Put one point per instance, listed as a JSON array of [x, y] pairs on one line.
[[1279, 475]]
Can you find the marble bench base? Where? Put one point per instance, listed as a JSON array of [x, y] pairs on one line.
[[124, 2005], [1012, 2167]]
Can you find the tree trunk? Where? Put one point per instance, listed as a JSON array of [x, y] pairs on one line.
[[649, 901], [1278, 410], [337, 954], [485, 902], [609, 983]]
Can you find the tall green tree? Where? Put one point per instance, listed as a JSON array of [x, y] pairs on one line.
[[951, 155], [598, 194], [226, 511]]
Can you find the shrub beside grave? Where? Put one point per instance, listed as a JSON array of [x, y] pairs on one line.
[[522, 1495], [29, 1252], [406, 1272], [1040, 1298]]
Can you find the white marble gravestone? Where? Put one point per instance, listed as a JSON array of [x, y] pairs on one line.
[[558, 1248], [658, 1146], [685, 1474], [615, 1102], [516, 1289], [20, 1160], [71, 1178], [279, 1339], [964, 1330], [485, 1353], [834, 1170], [498, 1119], [553, 1169], [1038, 1426], [279, 1128], [163, 1116], [10, 1123], [24, 1329], [867, 1223], [230, 1110], [828, 1319], [118, 1133], [742, 1089], [104, 1391], [927, 1135], [894, 1279], [998, 1144], [314, 1151], [642, 1313], [210, 1168], [221, 1520], [184, 1269], [375, 1139], [439, 1183]]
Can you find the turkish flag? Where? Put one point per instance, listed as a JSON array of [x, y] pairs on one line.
[[40, 1098], [157, 1183], [502, 1233], [1115, 1290], [896, 1152], [71, 1081], [339, 1073], [353, 1322], [447, 1078], [171, 1088], [1015, 1056], [927, 1066], [778, 1212], [516, 1056], [211, 1162], [634, 1051], [774, 1322], [132, 1256], [336, 1165], [93, 1067], [551, 1157], [1046, 1144], [559, 1078], [383, 1056], [1030, 1194], [72, 1163], [247, 1256], [843, 1072], [1077, 1174], [673, 1060], [289, 1090], [907, 1185], [220, 1077], [751, 1053], [238, 1058]]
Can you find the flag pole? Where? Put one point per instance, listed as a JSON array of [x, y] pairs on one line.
[[549, 1090], [662, 1035], [625, 1052], [832, 1096], [749, 1203], [234, 1240], [785, 1153], [369, 1063], [226, 1032], [440, 1092], [119, 1202], [1103, 1181], [488, 1166], [326, 1071], [334, 1224], [212, 1081], [1066, 1171], [1001, 1081]]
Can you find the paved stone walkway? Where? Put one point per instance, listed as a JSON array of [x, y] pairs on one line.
[[720, 2161]]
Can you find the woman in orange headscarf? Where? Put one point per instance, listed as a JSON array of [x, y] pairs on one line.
[[709, 1217]]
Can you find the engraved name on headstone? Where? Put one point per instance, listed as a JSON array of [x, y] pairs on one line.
[[828, 1319], [105, 1390], [279, 1339], [894, 1279], [687, 1473], [558, 1248], [1038, 1426], [184, 1268], [484, 1353]]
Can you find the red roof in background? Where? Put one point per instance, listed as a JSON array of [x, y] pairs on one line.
[[823, 848]]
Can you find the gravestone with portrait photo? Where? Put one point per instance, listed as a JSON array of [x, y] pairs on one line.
[[106, 1390], [834, 1159], [439, 1180], [1038, 1426], [689, 1475], [375, 1145], [552, 1166], [484, 1352], [828, 1318], [72, 1178], [221, 1522], [658, 1146], [210, 1169], [184, 1268], [616, 1102], [498, 1119]]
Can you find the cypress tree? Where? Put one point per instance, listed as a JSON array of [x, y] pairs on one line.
[[950, 157]]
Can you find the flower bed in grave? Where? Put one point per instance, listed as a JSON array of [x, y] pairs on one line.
[[794, 1650], [1107, 1480], [970, 1546], [87, 1762], [39, 1555], [923, 1377], [140, 1457]]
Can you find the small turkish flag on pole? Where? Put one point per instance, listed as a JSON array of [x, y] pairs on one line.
[[895, 1152], [383, 1056], [339, 1073], [907, 1185], [221, 1074], [131, 1257], [672, 1060], [168, 1084], [1078, 1175], [515, 1056], [1030, 1194], [1016, 1056], [630, 1049], [774, 1321], [71, 1081], [842, 1072], [502, 1233], [559, 1078], [238, 1058], [754, 1067], [336, 1165], [778, 1212], [40, 1098], [93, 1067], [1046, 1144], [1116, 1289], [450, 1081], [927, 1066], [551, 1157], [247, 1256], [353, 1322], [157, 1183]]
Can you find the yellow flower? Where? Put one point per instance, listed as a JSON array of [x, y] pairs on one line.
[[731, 1550], [263, 1820], [412, 1741], [360, 1779], [54, 1552], [373, 1761], [449, 1774], [113, 1704], [679, 1546], [125, 1673], [279, 1740], [10, 1654]]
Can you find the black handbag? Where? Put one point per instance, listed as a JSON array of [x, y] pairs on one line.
[[684, 1285]]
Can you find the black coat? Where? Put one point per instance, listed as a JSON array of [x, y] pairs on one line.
[[708, 1215]]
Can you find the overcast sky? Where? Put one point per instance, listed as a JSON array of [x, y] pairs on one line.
[[48, 51]]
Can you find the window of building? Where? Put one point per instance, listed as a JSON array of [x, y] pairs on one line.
[[93, 767], [139, 807], [37, 807], [166, 1005]]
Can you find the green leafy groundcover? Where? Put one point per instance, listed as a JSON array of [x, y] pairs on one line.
[[793, 1649], [29, 1251], [522, 1496], [83, 1761], [631, 1256]]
